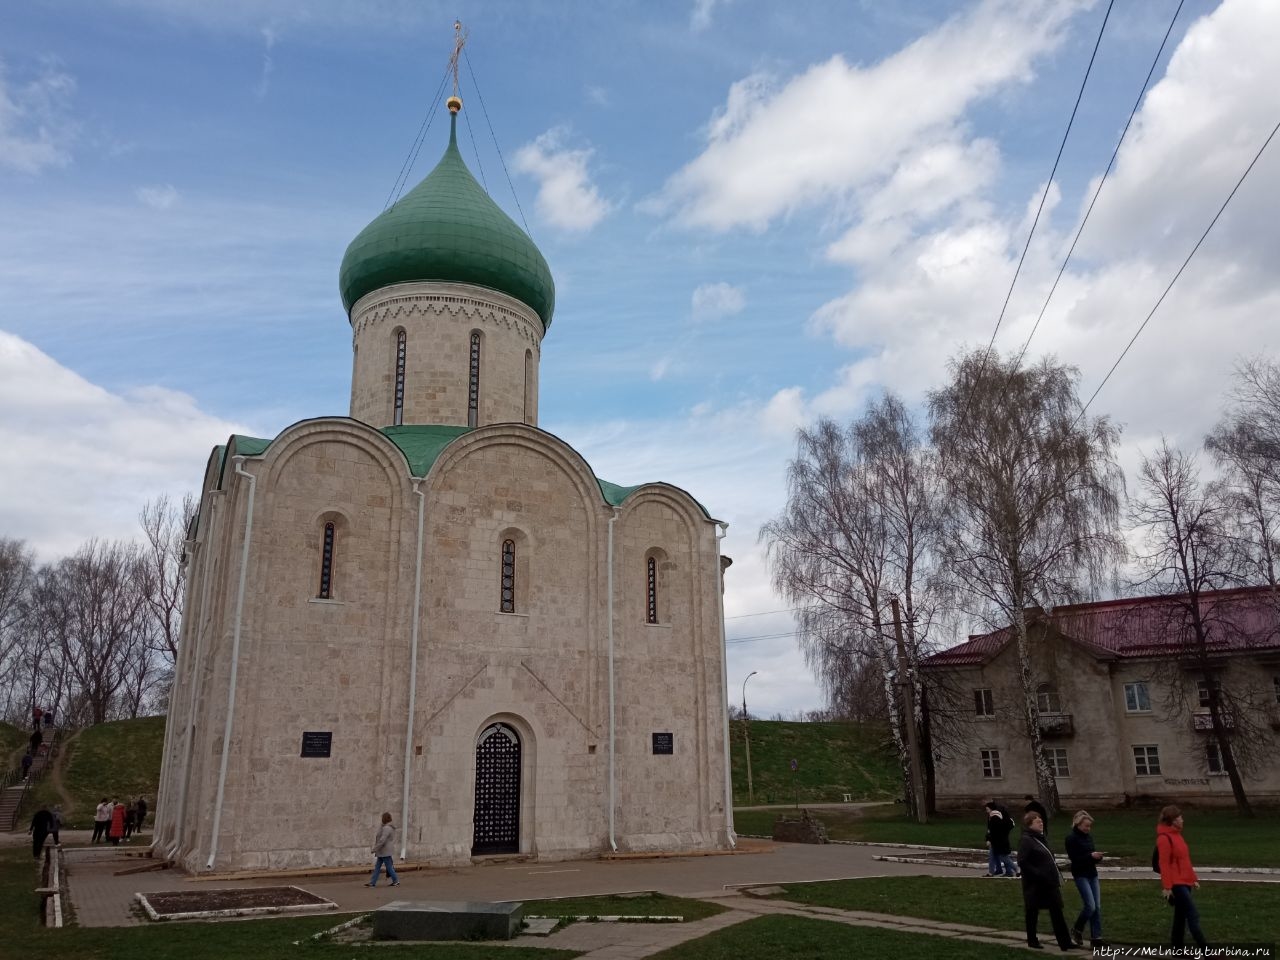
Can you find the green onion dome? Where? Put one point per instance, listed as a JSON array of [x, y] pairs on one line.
[[447, 228]]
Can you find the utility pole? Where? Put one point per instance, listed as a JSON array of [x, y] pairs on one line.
[[746, 736], [909, 698]]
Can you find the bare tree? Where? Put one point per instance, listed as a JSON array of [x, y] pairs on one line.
[[1246, 446], [1190, 553], [856, 531], [1031, 501], [17, 572], [92, 605], [164, 525]]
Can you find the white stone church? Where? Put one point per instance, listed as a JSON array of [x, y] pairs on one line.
[[434, 608]]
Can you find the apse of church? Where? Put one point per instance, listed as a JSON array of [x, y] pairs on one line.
[[435, 608]]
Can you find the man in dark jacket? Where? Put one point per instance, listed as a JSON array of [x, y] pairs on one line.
[[41, 824], [999, 827], [1035, 806], [1041, 883]]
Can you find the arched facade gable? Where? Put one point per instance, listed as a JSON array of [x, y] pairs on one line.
[[295, 438], [564, 457], [687, 508]]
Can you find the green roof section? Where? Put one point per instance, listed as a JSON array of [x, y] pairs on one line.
[[422, 445], [448, 228]]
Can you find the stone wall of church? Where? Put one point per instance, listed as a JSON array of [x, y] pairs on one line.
[[342, 665], [438, 320]]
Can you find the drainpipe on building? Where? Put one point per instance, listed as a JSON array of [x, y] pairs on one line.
[[235, 659], [723, 531], [613, 843], [196, 661], [413, 668]]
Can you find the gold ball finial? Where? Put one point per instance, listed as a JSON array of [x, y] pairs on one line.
[[454, 104]]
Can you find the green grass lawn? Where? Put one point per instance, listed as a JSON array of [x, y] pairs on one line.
[[648, 905], [833, 759], [12, 741], [1217, 837], [119, 759], [1132, 910], [22, 935], [795, 938]]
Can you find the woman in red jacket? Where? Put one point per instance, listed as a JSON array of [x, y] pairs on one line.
[[1177, 877], [116, 831]]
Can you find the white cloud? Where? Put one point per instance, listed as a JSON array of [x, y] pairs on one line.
[[711, 301], [268, 63], [817, 138], [158, 197], [598, 96], [700, 16], [36, 131], [566, 196], [78, 461]]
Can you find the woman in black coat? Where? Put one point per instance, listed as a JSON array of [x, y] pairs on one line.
[[1041, 883]]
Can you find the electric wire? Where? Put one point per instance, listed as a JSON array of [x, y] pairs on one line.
[[1043, 197], [1106, 173], [412, 157], [1252, 163], [507, 173], [476, 150]]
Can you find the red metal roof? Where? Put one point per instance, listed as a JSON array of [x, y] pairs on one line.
[[1240, 620]]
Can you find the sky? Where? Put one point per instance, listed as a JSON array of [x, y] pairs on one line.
[[756, 214]]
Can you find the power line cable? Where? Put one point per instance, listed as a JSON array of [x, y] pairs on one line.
[[507, 173], [1207, 229], [412, 157], [476, 150], [1043, 197], [1110, 164]]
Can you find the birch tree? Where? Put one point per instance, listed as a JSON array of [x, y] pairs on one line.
[[1031, 502]]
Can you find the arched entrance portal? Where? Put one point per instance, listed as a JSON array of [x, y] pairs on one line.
[[497, 812]]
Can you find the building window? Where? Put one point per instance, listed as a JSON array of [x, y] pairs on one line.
[[397, 412], [473, 381], [1213, 757], [984, 704], [1047, 699], [651, 592], [1202, 692], [1146, 760], [991, 765], [326, 563], [1136, 697], [1056, 757], [508, 576]]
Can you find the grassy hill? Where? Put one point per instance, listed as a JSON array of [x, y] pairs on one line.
[[120, 759], [832, 759], [12, 740]]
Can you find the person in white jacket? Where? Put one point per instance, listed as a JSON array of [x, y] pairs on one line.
[[383, 844]]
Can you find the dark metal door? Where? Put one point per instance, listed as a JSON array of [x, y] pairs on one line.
[[497, 814]]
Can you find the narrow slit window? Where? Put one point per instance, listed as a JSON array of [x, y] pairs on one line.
[[397, 413], [473, 382], [651, 571], [326, 564], [508, 576]]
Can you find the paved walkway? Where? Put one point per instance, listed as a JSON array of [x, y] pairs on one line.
[[101, 898]]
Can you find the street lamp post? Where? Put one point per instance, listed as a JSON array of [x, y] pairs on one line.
[[746, 736]]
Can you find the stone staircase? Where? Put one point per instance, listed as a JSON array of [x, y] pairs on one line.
[[15, 789]]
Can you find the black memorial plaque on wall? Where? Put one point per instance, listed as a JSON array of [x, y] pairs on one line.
[[664, 743], [316, 743]]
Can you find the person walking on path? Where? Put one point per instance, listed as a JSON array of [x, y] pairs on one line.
[[36, 739], [999, 828], [142, 813], [1084, 871], [1177, 877], [1035, 806], [57, 824], [130, 819], [115, 832], [1041, 884], [383, 845], [101, 820], [36, 713], [26, 764], [41, 824]]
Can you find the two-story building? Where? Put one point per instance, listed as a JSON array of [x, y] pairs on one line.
[[1122, 699]]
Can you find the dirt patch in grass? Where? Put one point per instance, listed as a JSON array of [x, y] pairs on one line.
[[254, 899]]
